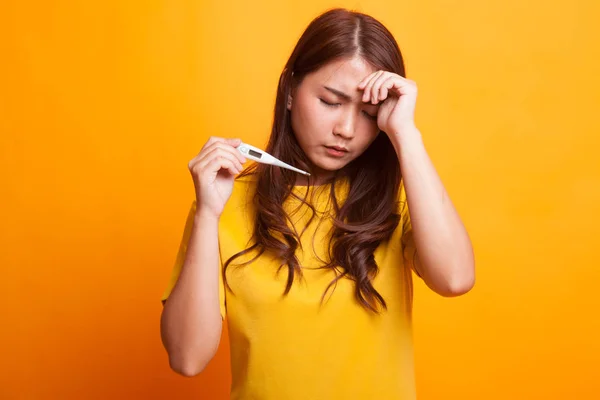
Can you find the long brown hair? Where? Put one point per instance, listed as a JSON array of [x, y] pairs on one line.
[[368, 216]]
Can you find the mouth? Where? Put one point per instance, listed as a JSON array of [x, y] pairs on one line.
[[337, 148], [336, 151]]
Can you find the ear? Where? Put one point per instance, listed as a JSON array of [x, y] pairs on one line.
[[289, 102]]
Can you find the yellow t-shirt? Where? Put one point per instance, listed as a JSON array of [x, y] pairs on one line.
[[293, 347]]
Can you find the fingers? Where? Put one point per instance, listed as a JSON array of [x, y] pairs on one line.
[[226, 147], [368, 95], [215, 139], [214, 165], [219, 151], [217, 147], [382, 83], [378, 86], [224, 142], [213, 162], [366, 80]]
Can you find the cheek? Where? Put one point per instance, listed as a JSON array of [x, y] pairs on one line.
[[308, 120], [367, 138], [311, 112], [369, 131]]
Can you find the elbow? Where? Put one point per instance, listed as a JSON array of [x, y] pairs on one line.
[[187, 369], [460, 281], [462, 277], [190, 366], [190, 359], [459, 286], [189, 352]]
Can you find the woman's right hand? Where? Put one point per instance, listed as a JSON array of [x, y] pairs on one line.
[[213, 171]]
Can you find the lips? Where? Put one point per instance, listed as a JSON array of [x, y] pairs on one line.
[[336, 151], [337, 148]]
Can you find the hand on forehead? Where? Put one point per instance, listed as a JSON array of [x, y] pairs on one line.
[[342, 77]]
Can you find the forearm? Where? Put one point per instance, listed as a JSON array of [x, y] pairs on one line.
[[445, 255], [191, 321]]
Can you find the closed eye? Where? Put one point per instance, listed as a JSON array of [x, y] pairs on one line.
[[366, 114], [330, 104], [373, 117]]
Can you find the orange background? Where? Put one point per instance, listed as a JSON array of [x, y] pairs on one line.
[[102, 104]]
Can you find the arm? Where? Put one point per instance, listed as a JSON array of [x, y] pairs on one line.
[[191, 320], [444, 255]]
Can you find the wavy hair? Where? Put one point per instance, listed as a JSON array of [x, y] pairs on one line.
[[368, 215]]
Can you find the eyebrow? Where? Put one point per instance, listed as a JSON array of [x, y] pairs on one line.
[[343, 95]]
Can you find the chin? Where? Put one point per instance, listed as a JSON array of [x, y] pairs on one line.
[[329, 165]]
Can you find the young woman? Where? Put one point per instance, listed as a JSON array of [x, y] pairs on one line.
[[314, 274]]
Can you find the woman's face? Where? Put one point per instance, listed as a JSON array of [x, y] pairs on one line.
[[331, 122]]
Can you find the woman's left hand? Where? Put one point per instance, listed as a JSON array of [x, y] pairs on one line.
[[399, 97]]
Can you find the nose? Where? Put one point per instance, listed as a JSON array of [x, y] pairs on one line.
[[345, 125]]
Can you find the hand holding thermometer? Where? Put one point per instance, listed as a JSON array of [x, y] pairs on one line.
[[260, 156]]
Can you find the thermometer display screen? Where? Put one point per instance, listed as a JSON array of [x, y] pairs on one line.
[[254, 153]]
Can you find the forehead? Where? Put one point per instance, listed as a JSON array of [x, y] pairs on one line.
[[343, 74]]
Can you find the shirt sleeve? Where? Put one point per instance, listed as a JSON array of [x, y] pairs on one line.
[[187, 232]]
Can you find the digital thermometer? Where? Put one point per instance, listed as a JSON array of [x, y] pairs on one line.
[[263, 157]]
